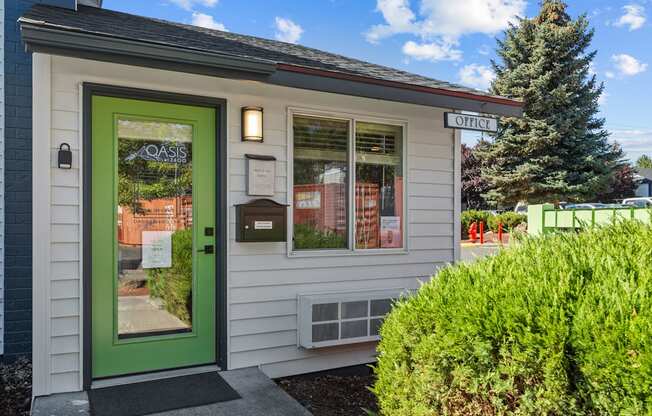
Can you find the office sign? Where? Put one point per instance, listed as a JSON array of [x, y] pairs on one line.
[[470, 122]]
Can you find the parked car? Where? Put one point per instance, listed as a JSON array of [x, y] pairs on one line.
[[521, 208], [587, 205], [641, 202]]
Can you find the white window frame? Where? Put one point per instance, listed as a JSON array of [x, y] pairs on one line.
[[352, 119]]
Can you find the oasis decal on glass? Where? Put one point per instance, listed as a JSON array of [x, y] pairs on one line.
[[161, 152]]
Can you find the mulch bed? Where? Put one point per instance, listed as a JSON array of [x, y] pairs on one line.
[[332, 395], [15, 388]]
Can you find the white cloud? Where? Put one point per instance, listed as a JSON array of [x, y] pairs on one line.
[[609, 74], [287, 30], [189, 4], [455, 18], [207, 21], [627, 65], [435, 51], [634, 17], [440, 23], [445, 18], [635, 142], [602, 100], [477, 76], [399, 18], [484, 49]]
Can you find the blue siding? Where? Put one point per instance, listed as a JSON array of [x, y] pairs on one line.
[[18, 181]]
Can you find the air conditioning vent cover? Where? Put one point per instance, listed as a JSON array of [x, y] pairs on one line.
[[329, 319]]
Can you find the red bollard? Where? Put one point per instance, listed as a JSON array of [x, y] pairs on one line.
[[500, 232], [481, 232], [473, 232]]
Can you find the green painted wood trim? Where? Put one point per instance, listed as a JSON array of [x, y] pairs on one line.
[[111, 356], [536, 218]]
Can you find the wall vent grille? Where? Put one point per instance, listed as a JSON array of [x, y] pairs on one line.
[[343, 318]]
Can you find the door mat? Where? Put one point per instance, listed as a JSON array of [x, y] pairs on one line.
[[160, 395]]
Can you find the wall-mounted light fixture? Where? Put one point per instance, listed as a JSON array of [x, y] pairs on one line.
[[252, 124]]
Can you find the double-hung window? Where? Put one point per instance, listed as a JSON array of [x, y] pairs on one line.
[[347, 179]]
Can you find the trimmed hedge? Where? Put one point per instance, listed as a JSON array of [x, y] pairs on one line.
[[559, 325], [612, 329], [471, 216], [510, 220]]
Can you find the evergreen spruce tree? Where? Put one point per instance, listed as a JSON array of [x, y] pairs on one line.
[[559, 150]]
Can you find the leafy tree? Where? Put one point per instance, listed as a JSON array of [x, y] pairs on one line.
[[473, 185], [623, 185], [559, 150], [644, 162]]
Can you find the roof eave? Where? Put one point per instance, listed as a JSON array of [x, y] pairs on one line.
[[44, 38], [41, 38], [421, 88]]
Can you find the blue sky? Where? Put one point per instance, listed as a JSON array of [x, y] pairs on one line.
[[448, 40]]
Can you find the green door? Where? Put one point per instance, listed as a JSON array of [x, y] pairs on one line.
[[153, 219]]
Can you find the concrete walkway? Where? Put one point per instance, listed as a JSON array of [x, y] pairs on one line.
[[259, 396], [473, 252], [143, 314]]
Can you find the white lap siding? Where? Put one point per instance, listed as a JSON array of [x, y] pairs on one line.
[[263, 282]]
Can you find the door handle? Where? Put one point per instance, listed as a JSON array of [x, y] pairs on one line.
[[210, 249]]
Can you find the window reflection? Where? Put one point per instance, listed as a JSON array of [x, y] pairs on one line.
[[378, 186], [154, 227], [320, 183]]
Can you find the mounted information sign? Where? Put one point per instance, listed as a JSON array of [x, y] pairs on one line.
[[470, 122], [261, 175]]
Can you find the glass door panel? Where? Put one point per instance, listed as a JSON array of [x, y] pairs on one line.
[[155, 245]]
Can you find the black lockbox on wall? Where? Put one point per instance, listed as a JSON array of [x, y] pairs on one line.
[[262, 220]]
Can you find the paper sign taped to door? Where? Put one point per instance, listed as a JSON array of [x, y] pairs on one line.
[[157, 249]]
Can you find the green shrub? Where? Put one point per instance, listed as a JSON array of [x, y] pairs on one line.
[[558, 325], [173, 285], [471, 216], [612, 329], [309, 237], [510, 220]]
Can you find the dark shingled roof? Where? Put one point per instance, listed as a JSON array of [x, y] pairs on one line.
[[645, 173], [114, 24]]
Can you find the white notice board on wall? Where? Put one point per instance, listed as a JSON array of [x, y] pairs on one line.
[[261, 175]]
